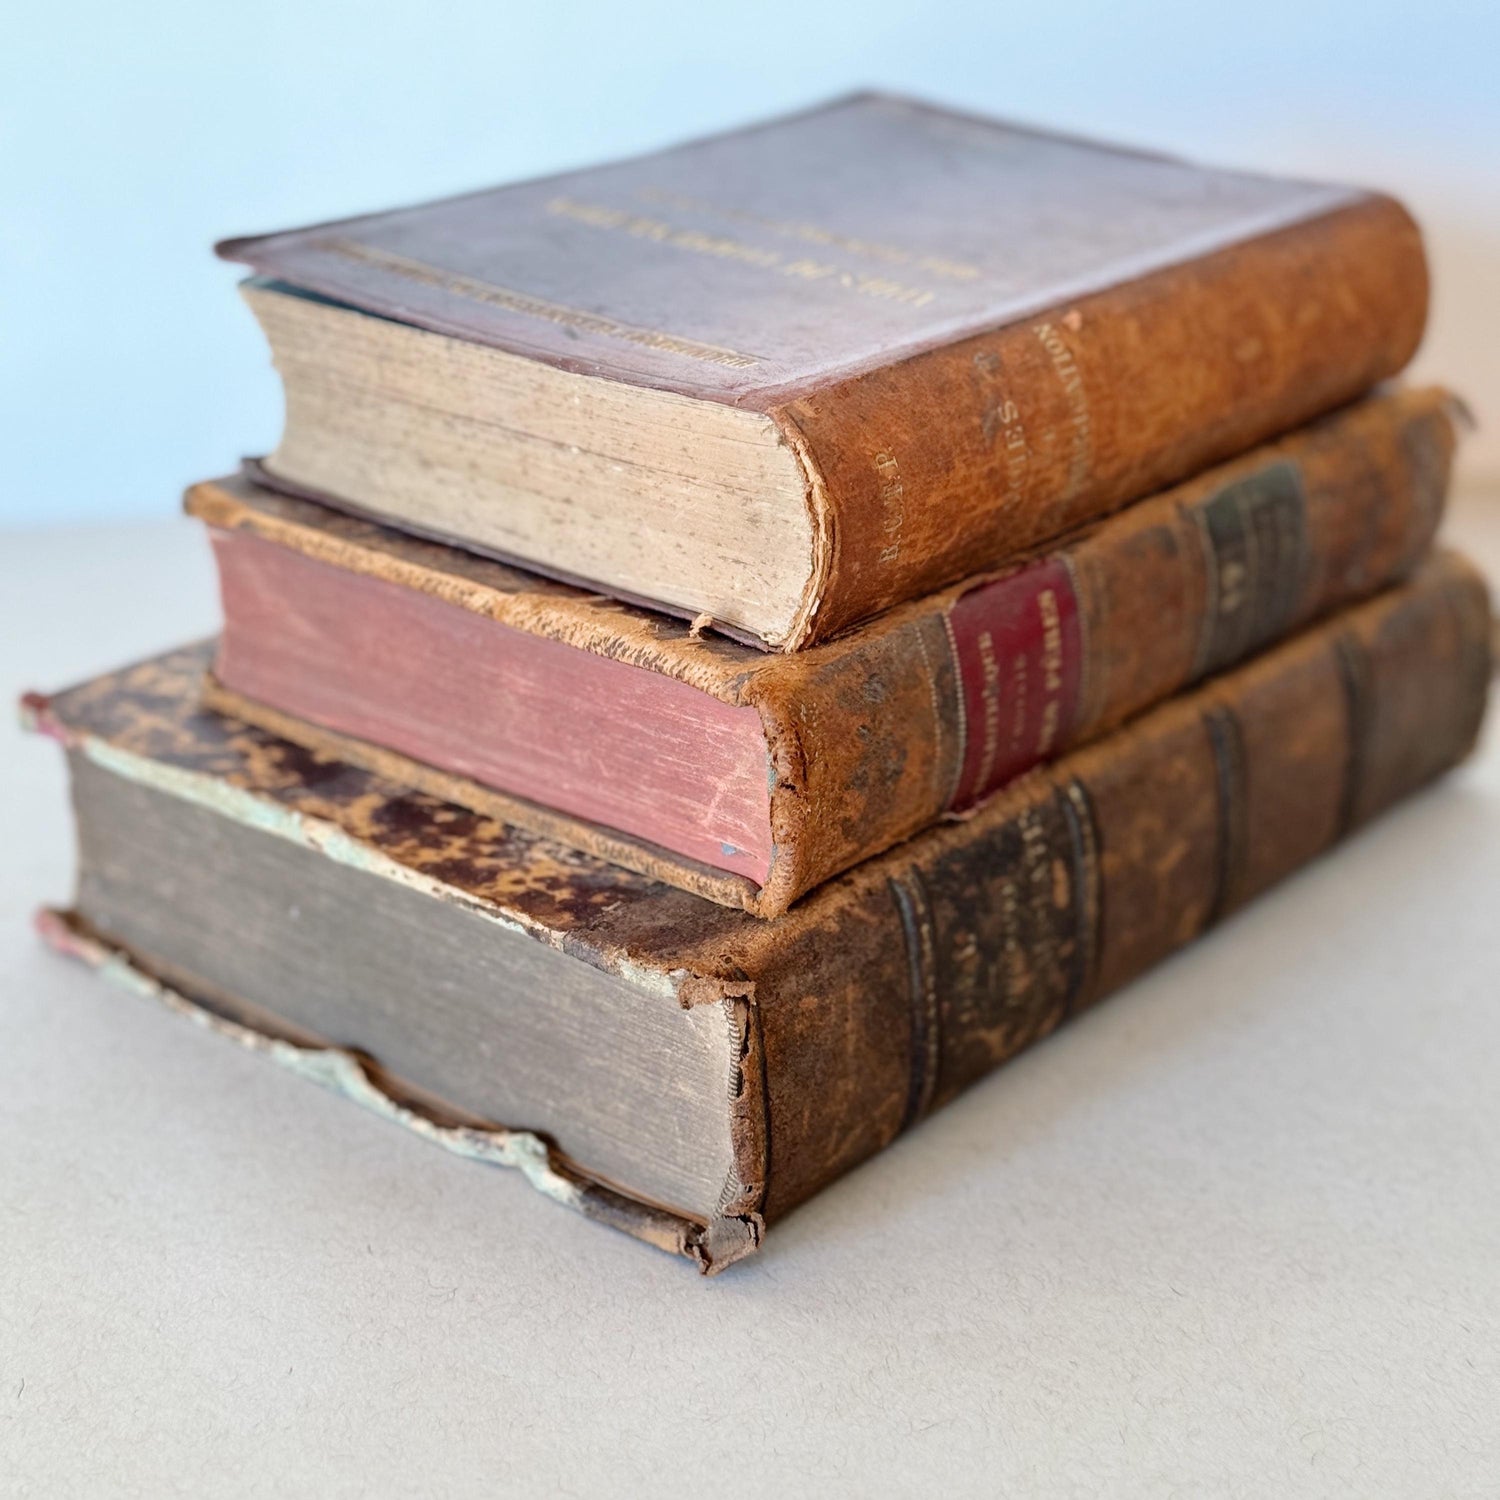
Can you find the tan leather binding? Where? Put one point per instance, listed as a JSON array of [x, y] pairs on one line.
[[865, 735], [902, 982]]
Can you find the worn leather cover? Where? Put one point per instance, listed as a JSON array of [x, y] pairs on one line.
[[905, 980], [974, 336], [929, 710]]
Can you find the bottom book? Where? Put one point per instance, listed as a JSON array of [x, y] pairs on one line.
[[682, 1070]]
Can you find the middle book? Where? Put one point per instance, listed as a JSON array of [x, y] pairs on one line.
[[751, 778]]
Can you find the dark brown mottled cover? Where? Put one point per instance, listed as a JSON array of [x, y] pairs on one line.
[[867, 735], [904, 981], [974, 336]]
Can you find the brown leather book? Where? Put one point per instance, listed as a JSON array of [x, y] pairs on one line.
[[677, 1068], [751, 778], [791, 376]]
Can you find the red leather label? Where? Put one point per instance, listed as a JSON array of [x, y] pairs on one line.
[[1018, 643]]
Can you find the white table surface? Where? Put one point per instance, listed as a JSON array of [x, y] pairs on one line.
[[1235, 1233]]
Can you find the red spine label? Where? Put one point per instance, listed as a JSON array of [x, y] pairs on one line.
[[1018, 643]]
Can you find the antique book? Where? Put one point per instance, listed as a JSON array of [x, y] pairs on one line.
[[790, 376], [675, 1067], [751, 778]]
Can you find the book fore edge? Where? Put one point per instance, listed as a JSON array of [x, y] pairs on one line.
[[711, 1245]]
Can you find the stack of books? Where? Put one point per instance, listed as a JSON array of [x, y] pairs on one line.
[[734, 645]]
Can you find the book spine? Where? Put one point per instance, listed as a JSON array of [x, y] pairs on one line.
[[932, 714], [926, 971], [959, 458]]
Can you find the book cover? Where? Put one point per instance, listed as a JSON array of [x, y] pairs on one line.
[[932, 341]]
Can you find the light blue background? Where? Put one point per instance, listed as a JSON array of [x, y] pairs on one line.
[[134, 135]]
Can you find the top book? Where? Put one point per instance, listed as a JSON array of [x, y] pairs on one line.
[[788, 377]]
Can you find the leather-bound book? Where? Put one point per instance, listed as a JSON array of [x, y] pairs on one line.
[[750, 778], [791, 376], [675, 1067]]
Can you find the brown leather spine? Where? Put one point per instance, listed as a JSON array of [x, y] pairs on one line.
[[869, 734], [956, 459], [910, 978]]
